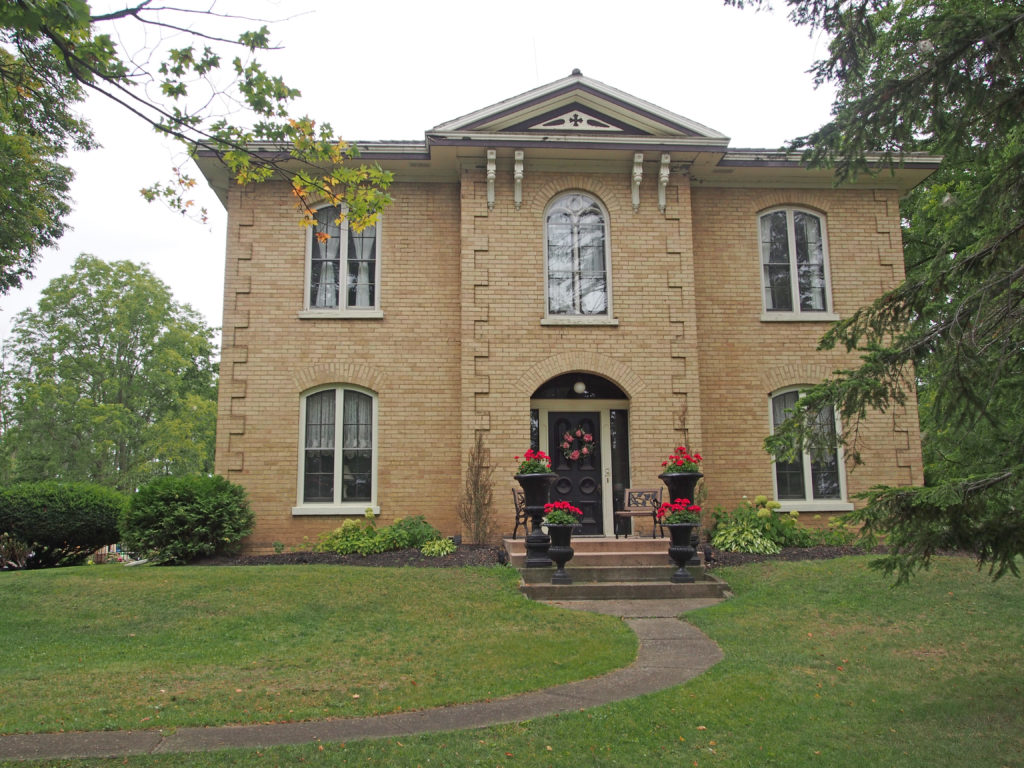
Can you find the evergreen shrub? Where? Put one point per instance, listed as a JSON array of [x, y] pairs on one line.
[[60, 523], [175, 520]]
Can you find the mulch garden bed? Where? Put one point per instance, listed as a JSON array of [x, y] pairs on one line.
[[467, 554]]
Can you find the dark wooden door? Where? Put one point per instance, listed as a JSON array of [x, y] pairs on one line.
[[574, 440]]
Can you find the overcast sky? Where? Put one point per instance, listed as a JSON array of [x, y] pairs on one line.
[[399, 68]]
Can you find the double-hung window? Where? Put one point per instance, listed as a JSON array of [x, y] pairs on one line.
[[814, 477], [794, 266], [337, 455], [576, 254], [342, 267]]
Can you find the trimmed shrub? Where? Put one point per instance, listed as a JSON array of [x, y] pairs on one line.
[[60, 523], [175, 520]]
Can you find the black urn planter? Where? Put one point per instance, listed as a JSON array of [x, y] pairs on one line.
[[683, 485], [560, 551], [681, 550], [536, 493]]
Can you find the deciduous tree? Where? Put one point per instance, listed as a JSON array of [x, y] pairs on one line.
[[109, 380], [947, 77], [55, 52]]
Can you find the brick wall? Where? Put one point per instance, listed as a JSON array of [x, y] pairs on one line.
[[461, 347]]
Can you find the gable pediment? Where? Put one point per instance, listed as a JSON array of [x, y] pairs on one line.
[[580, 107]]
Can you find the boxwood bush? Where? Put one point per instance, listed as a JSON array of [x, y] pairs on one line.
[[60, 523], [175, 520]]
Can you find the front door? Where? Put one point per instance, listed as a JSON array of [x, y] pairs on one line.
[[574, 441]]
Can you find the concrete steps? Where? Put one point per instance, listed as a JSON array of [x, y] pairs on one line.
[[614, 569]]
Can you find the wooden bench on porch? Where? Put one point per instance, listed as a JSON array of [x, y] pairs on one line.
[[639, 502]]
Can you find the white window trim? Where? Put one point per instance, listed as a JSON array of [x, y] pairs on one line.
[[309, 312], [796, 314], [608, 318], [336, 507], [809, 503]]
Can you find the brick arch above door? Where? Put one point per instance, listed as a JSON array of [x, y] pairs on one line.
[[588, 362]]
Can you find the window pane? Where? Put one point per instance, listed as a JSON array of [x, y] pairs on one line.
[[775, 261], [325, 259], [593, 296], [789, 475], [559, 295], [356, 476], [318, 472], [320, 420], [825, 467], [576, 258], [357, 456], [777, 295], [362, 263], [318, 480], [810, 259]]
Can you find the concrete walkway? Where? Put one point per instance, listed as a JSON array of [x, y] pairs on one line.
[[670, 652]]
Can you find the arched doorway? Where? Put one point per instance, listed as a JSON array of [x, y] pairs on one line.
[[582, 421]]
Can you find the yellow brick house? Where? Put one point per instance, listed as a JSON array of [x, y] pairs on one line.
[[569, 258]]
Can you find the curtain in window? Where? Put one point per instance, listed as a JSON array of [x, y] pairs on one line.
[[577, 263], [325, 260], [318, 474], [357, 447], [362, 263]]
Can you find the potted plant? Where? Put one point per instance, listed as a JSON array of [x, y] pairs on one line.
[[535, 477], [680, 517], [681, 473], [561, 517]]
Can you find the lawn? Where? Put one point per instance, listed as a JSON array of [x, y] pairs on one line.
[[825, 665], [109, 647]]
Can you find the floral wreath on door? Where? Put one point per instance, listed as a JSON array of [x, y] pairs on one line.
[[577, 443]]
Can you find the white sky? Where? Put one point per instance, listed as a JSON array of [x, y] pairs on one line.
[[393, 70]]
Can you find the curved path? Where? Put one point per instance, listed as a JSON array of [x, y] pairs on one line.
[[670, 652]]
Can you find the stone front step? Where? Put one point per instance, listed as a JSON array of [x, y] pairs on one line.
[[599, 551], [618, 590], [614, 569], [609, 573]]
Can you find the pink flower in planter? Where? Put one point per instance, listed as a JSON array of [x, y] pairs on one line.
[[588, 438], [574, 455]]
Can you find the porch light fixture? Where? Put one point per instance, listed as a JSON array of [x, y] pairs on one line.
[[579, 387]]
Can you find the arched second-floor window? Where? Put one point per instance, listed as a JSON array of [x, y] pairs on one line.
[[794, 263], [576, 255]]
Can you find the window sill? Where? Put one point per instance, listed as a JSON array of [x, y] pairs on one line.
[[334, 509], [579, 320], [799, 317], [341, 314], [821, 505]]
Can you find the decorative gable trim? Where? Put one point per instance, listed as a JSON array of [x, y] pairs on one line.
[[567, 105], [577, 118]]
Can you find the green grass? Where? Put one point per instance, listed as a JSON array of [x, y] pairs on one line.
[[825, 665], [108, 647]]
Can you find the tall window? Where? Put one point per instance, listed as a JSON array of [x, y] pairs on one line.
[[794, 262], [577, 256], [338, 448], [343, 264], [814, 475]]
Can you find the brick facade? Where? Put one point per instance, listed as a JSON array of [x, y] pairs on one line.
[[461, 346]]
